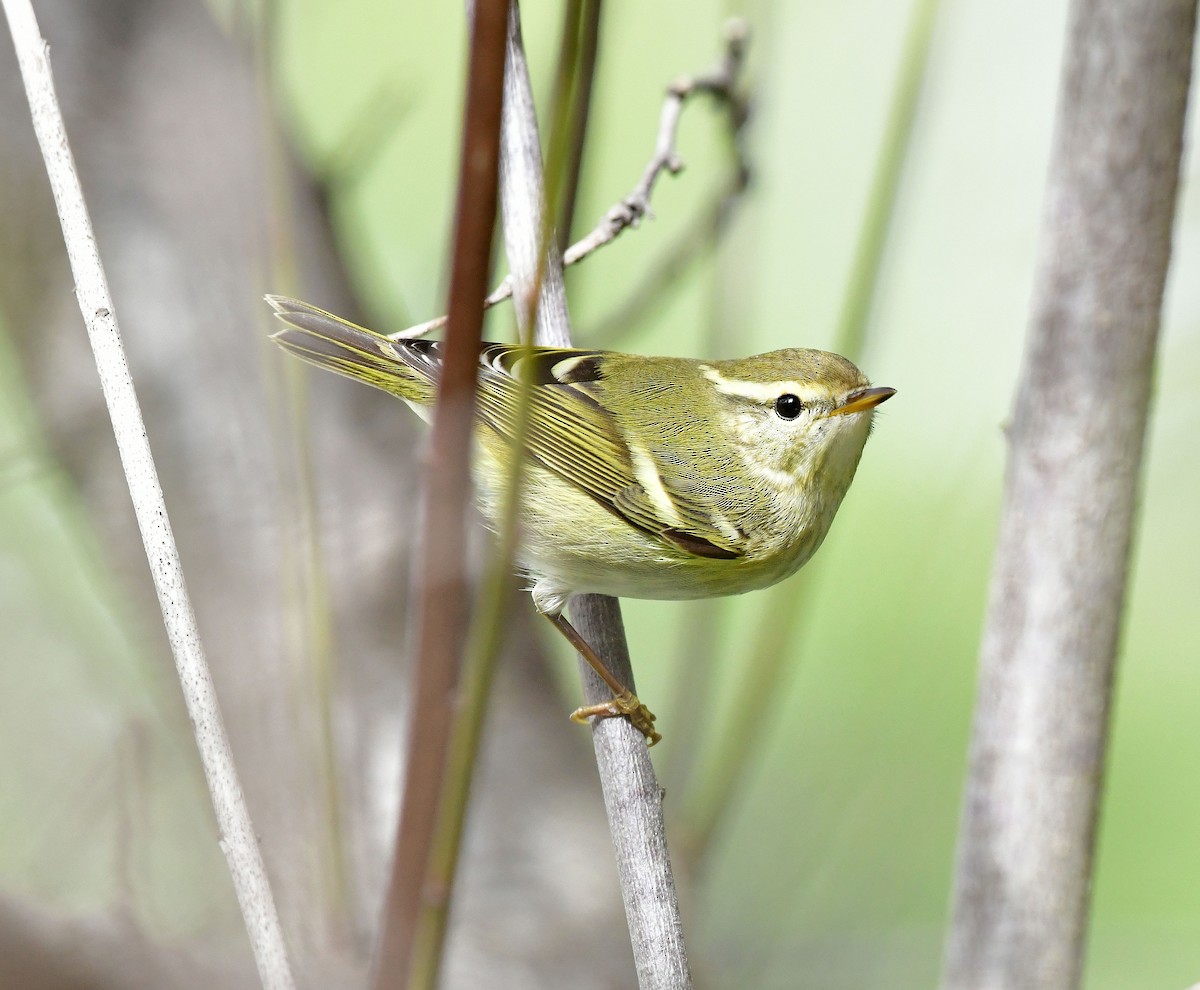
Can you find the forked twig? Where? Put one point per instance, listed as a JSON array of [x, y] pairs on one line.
[[721, 82]]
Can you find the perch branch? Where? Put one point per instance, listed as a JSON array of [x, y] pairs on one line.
[[632, 796]]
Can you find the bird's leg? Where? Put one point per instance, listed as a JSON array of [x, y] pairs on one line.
[[624, 703]]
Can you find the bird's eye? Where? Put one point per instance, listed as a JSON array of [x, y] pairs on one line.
[[788, 406]]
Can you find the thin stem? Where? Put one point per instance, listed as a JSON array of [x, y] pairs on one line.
[[238, 840], [581, 94], [443, 607]]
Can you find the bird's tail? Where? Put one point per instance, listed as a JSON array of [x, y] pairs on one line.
[[405, 368]]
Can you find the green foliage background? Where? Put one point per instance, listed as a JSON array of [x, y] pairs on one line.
[[835, 868]]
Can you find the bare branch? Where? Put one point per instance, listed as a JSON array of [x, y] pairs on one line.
[[632, 795], [720, 82], [238, 840], [698, 239]]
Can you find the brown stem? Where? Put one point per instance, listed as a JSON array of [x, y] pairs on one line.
[[443, 605]]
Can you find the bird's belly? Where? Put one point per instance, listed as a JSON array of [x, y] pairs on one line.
[[570, 544], [607, 556], [655, 575]]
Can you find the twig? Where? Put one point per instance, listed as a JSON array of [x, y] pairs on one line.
[[1058, 584], [238, 841], [443, 607], [718, 81], [651, 292], [632, 795], [721, 82], [581, 93]]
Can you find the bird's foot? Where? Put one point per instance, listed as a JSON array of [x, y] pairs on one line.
[[624, 705]]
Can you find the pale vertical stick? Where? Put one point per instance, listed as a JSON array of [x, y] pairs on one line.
[[632, 795], [522, 200], [238, 840]]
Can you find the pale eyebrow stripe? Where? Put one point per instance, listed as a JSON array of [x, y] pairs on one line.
[[758, 391]]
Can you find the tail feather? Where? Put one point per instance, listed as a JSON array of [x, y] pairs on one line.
[[328, 341]]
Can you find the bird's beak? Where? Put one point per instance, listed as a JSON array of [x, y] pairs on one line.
[[862, 400]]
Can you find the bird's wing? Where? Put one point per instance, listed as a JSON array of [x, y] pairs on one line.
[[571, 433]]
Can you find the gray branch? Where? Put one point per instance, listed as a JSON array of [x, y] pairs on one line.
[[632, 795], [1058, 581]]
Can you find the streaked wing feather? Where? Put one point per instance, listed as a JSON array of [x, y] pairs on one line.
[[570, 432], [573, 435], [574, 439], [698, 546]]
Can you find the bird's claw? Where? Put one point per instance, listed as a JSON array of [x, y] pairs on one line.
[[624, 705]]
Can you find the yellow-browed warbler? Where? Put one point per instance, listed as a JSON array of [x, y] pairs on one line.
[[647, 477]]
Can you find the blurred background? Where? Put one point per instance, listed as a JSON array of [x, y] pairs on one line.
[[312, 149]]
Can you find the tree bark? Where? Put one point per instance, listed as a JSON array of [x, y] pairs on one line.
[[1078, 425]]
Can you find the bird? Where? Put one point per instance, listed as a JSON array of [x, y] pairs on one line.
[[645, 477]]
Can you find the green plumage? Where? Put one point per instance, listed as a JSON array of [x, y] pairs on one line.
[[648, 477]]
